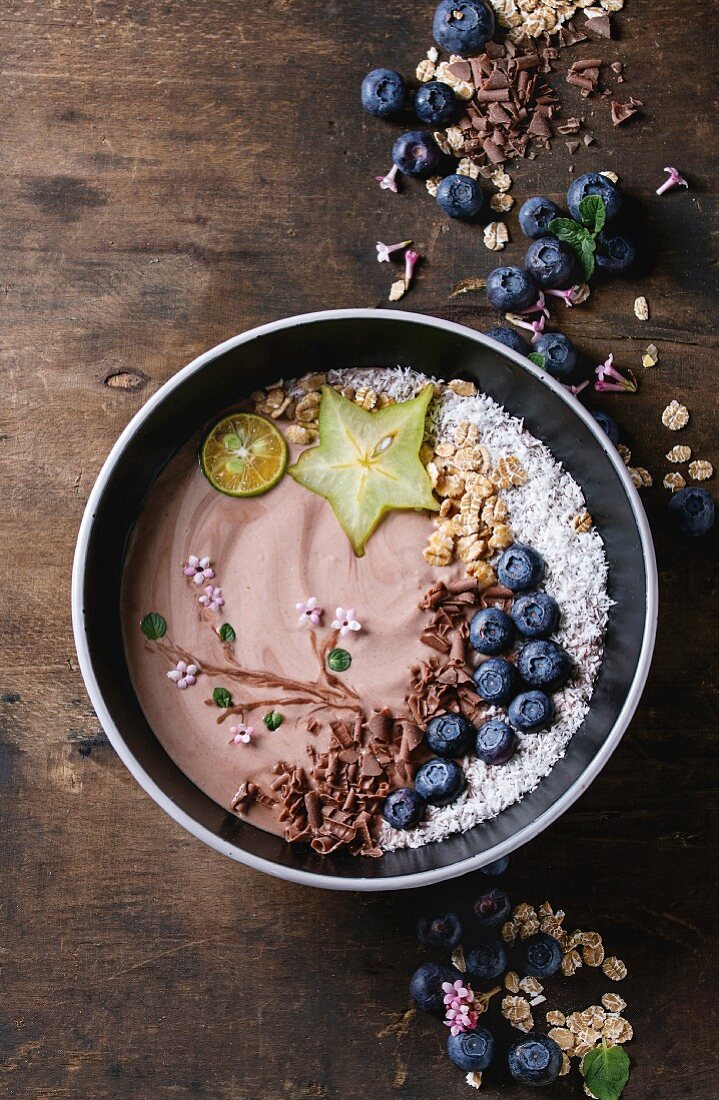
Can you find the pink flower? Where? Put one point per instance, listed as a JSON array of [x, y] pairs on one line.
[[199, 569], [344, 621], [183, 675], [535, 327], [619, 383], [538, 307], [460, 1015], [410, 261], [212, 598], [576, 390], [310, 612], [384, 251], [241, 734], [673, 180], [572, 297], [388, 182]]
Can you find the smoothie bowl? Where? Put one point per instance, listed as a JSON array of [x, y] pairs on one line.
[[363, 599]]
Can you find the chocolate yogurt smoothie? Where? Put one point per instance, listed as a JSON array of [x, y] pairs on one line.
[[268, 553]]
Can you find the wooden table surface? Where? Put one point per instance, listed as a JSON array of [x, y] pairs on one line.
[[175, 172]]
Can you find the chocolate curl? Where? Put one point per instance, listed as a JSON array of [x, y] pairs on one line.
[[370, 765], [380, 725], [457, 652]]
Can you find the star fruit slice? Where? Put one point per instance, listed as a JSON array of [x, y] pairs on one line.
[[367, 463]]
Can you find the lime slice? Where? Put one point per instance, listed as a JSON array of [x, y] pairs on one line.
[[243, 455]]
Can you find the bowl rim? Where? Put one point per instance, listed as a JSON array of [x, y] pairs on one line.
[[307, 878]]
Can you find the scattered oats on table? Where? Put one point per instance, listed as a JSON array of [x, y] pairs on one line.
[[613, 1002], [563, 1037], [555, 1018], [425, 71], [501, 180], [496, 236], [612, 176], [432, 184], [624, 453], [641, 308], [459, 960], [501, 203], [474, 1079], [673, 481], [679, 454], [642, 478], [675, 416], [700, 469], [571, 962], [397, 290], [650, 357], [468, 167], [593, 956], [511, 981], [614, 968]]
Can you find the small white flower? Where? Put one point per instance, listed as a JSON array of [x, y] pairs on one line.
[[310, 612], [241, 734], [345, 621]]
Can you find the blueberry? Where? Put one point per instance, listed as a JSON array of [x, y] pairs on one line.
[[471, 1050], [541, 956], [496, 742], [535, 615], [511, 288], [487, 961], [444, 931], [462, 26], [496, 681], [608, 425], [560, 354], [592, 183], [415, 153], [439, 781], [460, 196], [384, 93], [550, 262], [544, 665], [692, 510], [509, 338], [496, 868], [520, 567], [491, 631], [449, 735], [535, 1060], [425, 986], [403, 808], [531, 711], [616, 252], [536, 214], [435, 103], [492, 909]]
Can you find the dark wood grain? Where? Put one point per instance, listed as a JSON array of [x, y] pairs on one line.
[[177, 172]]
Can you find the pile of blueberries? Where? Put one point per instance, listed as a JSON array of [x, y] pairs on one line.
[[535, 1059], [524, 688], [460, 28]]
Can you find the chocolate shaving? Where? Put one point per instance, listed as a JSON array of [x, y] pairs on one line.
[[622, 112], [601, 25]]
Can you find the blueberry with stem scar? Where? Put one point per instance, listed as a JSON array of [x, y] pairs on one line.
[[487, 961], [471, 1050], [449, 735], [496, 681], [403, 808], [439, 781], [544, 664], [535, 614], [495, 742], [384, 93], [443, 931], [531, 711], [491, 631], [425, 986], [535, 1060]]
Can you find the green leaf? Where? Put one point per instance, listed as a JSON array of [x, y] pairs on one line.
[[579, 238], [566, 229], [537, 359], [585, 256], [339, 660], [273, 720], [227, 633], [222, 697], [606, 1071], [593, 213], [153, 626]]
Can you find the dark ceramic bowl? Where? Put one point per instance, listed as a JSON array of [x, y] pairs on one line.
[[342, 339]]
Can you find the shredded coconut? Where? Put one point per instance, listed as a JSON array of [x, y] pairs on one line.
[[541, 512]]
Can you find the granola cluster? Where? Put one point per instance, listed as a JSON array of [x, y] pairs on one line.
[[537, 17], [472, 522], [300, 404]]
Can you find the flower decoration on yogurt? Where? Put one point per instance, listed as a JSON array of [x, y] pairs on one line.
[[241, 734], [183, 675], [310, 612], [199, 569], [212, 598], [345, 621]]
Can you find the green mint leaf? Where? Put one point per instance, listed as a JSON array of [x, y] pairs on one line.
[[566, 229], [536, 358], [273, 720], [593, 213], [339, 660], [222, 697], [606, 1071], [227, 633], [585, 256], [153, 626]]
